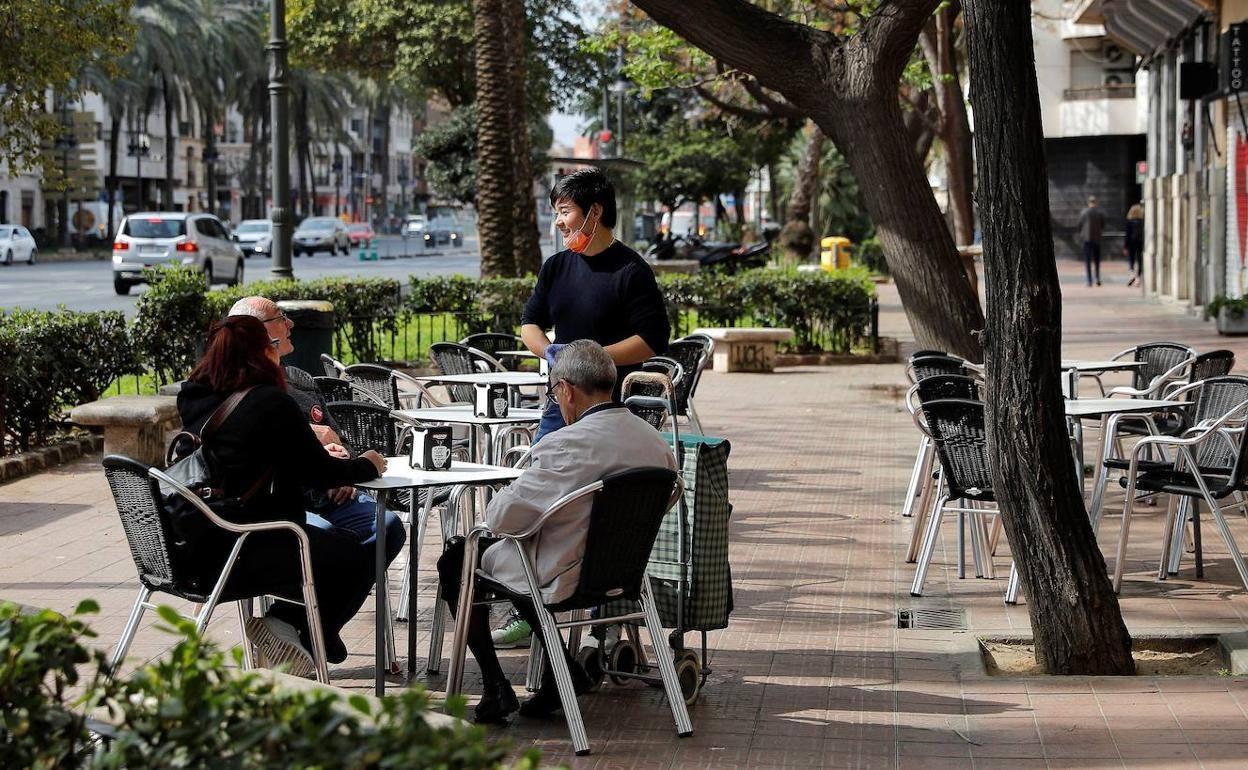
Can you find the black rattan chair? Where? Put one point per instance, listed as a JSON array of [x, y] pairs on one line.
[[1211, 465], [492, 342], [928, 366], [374, 384], [1163, 363], [957, 428], [627, 511], [365, 426], [155, 546], [333, 367], [453, 358], [334, 388]]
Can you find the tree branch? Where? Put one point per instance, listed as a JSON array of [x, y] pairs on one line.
[[776, 106], [730, 108]]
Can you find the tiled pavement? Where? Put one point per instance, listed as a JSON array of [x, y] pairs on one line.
[[813, 671]]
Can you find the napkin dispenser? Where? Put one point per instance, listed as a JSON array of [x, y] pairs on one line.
[[489, 400], [431, 447]]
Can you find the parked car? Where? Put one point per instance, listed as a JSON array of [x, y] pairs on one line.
[[254, 236], [321, 234], [445, 230], [152, 239], [415, 226], [16, 242], [361, 234]]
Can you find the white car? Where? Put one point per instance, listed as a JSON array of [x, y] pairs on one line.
[[174, 238], [414, 226], [16, 243], [254, 236], [321, 234]]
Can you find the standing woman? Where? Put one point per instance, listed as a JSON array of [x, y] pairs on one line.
[[1133, 244], [597, 289], [266, 452]]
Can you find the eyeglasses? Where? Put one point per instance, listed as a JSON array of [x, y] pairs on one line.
[[551, 396], [275, 342], [281, 316]]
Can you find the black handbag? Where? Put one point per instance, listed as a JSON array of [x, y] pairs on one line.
[[194, 472]]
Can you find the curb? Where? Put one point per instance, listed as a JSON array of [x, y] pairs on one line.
[[34, 461]]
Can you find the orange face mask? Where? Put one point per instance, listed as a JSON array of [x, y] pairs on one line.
[[579, 241]]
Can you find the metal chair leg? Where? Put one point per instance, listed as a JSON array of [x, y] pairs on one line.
[[928, 487], [1013, 585], [912, 490], [244, 612], [536, 666], [929, 546], [132, 625], [437, 630], [558, 663], [1224, 529], [667, 667]]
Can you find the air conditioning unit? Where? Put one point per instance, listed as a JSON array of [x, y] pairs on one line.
[[1112, 54], [1118, 78]]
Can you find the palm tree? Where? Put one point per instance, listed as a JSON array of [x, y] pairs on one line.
[[320, 102], [231, 41], [526, 241], [495, 180], [117, 92]]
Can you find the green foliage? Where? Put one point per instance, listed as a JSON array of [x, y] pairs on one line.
[[492, 304], [688, 163], [870, 254], [1234, 306], [40, 655], [54, 360], [190, 710], [450, 147], [46, 45], [826, 311]]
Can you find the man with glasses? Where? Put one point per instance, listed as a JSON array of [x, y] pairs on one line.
[[344, 507], [602, 437]]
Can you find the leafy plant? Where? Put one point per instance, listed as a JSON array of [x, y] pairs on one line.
[[191, 709], [40, 656], [55, 360], [1235, 307]]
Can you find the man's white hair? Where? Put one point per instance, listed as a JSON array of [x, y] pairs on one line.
[[252, 306]]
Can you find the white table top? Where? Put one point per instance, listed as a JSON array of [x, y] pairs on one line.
[[462, 415], [513, 379], [1099, 366], [1094, 407], [400, 475], [516, 354]]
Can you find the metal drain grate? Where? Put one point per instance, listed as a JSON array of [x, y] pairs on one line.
[[947, 619]]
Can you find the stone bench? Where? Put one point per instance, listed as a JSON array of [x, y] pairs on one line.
[[746, 349], [134, 426]]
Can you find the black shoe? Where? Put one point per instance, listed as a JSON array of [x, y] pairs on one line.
[[1098, 281], [497, 702], [545, 702]]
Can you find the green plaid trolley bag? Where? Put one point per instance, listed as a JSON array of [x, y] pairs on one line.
[[690, 563]]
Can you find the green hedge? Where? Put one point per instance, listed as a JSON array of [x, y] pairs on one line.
[[189, 710], [55, 360]]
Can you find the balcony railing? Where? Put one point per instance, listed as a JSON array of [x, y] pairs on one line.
[[1124, 91]]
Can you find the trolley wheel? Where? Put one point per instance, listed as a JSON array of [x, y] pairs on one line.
[[676, 640], [590, 659], [689, 674], [623, 659]]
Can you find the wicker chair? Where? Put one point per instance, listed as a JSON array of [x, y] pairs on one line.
[[627, 510], [333, 367], [1163, 364], [334, 388], [957, 428], [693, 357], [927, 366], [492, 342], [365, 426], [1211, 465], [453, 358], [374, 384], [149, 532], [649, 395]]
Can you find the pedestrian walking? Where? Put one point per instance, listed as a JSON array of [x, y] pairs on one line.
[[1091, 226], [1133, 245]]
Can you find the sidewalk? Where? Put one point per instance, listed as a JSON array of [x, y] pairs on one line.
[[813, 671]]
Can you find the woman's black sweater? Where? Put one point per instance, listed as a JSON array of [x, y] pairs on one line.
[[267, 431]]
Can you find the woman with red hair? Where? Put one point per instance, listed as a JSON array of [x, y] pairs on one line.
[[267, 444]]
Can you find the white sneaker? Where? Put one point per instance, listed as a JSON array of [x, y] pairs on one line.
[[277, 644]]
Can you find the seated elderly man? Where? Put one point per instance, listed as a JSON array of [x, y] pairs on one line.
[[602, 437], [344, 507]]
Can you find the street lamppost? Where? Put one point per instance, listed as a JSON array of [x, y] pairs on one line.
[[337, 183], [279, 92]]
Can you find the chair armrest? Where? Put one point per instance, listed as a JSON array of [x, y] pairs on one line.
[[229, 526], [422, 391]]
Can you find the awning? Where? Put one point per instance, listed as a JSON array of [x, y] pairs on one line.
[[1144, 26]]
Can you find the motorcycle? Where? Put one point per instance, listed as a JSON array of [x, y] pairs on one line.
[[727, 256]]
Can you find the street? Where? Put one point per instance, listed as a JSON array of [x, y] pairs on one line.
[[89, 285]]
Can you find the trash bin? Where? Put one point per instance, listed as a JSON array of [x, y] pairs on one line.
[[313, 332], [834, 252]]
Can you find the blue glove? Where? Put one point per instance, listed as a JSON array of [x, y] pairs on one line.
[[552, 352]]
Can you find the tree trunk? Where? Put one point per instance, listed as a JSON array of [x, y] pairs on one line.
[[265, 177], [955, 129], [301, 143], [210, 151], [526, 240], [383, 197], [116, 115], [797, 238], [166, 203], [1074, 612], [848, 87], [495, 181]]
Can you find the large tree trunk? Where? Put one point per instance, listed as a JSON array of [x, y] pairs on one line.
[[495, 181], [301, 144], [848, 86], [1074, 613], [116, 115], [797, 238], [166, 203], [955, 128], [210, 153], [383, 196], [526, 240]]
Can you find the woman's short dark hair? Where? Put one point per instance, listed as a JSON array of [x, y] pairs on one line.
[[237, 356], [585, 187]]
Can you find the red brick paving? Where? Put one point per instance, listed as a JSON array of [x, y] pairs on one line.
[[813, 671]]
